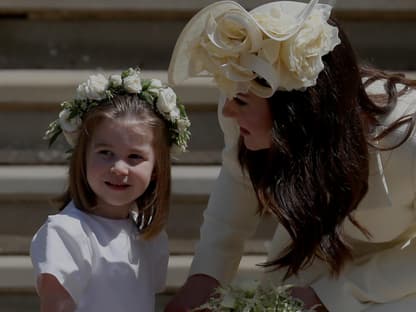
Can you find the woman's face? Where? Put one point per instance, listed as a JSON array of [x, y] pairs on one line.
[[252, 114]]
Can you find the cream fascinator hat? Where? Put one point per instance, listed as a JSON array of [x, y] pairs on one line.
[[278, 45]]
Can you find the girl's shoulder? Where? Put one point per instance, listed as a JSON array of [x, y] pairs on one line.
[[64, 233], [69, 215], [67, 223]]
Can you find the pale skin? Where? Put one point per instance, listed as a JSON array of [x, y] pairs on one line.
[[118, 149], [253, 116], [53, 296]]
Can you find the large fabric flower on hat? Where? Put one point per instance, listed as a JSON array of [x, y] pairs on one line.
[[278, 45]]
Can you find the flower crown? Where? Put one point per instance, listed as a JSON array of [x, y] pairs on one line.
[[278, 45], [98, 88]]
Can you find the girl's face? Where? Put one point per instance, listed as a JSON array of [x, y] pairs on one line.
[[120, 160], [252, 113]]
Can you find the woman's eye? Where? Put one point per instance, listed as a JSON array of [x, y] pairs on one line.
[[240, 101]]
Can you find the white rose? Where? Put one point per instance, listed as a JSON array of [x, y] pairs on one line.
[[155, 85], [166, 101], [301, 55], [94, 88], [132, 83], [174, 114], [69, 125], [115, 80], [183, 124]]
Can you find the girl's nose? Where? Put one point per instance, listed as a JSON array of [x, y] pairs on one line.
[[229, 109], [120, 168]]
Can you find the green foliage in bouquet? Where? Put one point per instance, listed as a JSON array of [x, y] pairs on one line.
[[253, 298]]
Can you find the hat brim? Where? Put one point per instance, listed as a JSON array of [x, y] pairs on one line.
[[179, 64], [179, 67]]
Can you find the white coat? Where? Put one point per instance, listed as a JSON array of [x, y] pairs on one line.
[[383, 275]]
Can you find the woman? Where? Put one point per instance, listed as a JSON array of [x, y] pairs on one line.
[[326, 147]]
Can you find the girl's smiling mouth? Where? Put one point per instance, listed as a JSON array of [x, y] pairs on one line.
[[117, 186]]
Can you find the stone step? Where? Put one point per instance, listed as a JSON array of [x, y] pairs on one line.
[[74, 34], [13, 7], [29, 101], [17, 292], [26, 193], [48, 181], [11, 301], [25, 182], [16, 272], [44, 88]]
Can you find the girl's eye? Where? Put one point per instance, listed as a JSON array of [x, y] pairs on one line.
[[240, 101], [105, 153], [135, 156]]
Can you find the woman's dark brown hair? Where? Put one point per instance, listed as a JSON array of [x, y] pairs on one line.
[[153, 204], [316, 172]]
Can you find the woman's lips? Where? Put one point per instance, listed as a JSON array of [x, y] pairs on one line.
[[244, 131]]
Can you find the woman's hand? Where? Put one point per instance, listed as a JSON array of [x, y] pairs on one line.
[[309, 298], [196, 291]]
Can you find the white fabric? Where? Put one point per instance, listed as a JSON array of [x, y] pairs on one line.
[[183, 63], [100, 261], [384, 269]]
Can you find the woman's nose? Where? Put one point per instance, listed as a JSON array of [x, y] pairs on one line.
[[229, 108]]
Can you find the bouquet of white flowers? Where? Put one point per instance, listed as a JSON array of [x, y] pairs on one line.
[[252, 297]]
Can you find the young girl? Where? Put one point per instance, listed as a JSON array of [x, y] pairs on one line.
[[107, 250], [324, 146]]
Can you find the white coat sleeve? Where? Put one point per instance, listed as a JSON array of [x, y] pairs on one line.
[[230, 217]]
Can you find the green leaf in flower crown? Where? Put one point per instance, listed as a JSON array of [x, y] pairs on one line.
[[68, 153], [109, 94], [146, 96], [68, 104], [125, 73], [145, 84], [117, 90], [182, 111], [54, 136]]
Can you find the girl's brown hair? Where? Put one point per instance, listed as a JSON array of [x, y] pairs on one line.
[[153, 204], [316, 172]]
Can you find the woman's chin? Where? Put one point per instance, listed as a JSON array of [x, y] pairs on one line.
[[255, 145]]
